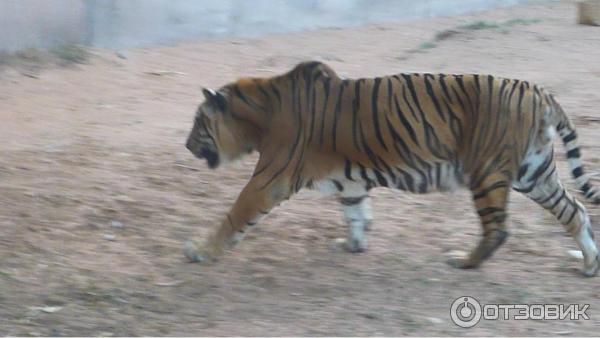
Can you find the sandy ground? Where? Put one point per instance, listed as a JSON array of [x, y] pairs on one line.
[[85, 148]]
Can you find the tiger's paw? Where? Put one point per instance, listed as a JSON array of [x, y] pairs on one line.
[[355, 245], [592, 269], [462, 263], [368, 224], [195, 254], [344, 244]]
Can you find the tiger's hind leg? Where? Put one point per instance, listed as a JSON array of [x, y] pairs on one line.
[[545, 188], [491, 198]]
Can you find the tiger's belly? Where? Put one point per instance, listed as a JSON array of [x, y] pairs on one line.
[[355, 179]]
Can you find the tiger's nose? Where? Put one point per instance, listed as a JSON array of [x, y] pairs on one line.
[[192, 147]]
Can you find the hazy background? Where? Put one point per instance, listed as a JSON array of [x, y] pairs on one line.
[[132, 23]]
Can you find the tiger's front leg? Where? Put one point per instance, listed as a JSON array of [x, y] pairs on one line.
[[253, 203], [358, 217]]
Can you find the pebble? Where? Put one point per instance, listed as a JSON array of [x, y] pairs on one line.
[[457, 253], [48, 309], [575, 254], [109, 237], [435, 320], [116, 224], [564, 333]]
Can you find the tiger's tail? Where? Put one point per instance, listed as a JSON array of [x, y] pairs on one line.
[[559, 119]]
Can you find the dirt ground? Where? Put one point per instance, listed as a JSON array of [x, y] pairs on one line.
[[98, 193]]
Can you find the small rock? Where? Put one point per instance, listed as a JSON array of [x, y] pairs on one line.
[[457, 254], [575, 254], [169, 283], [337, 244], [563, 333], [47, 309], [121, 55], [116, 224], [369, 315], [435, 320], [109, 237], [124, 199]]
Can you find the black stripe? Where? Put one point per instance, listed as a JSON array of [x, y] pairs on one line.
[[352, 200], [585, 188], [444, 87], [230, 221], [277, 93], [405, 98], [375, 111], [403, 153], [477, 85], [438, 173], [461, 85], [525, 190], [488, 211], [564, 192], [570, 137], [410, 181], [248, 100], [432, 96], [337, 112], [547, 199], [541, 169], [484, 192], [327, 85], [573, 216], [388, 169], [521, 92], [380, 179], [364, 176], [577, 172], [413, 92], [405, 122], [522, 171], [338, 185], [490, 92], [348, 170], [433, 142], [562, 212], [313, 111], [261, 89], [370, 153], [573, 153], [355, 107]]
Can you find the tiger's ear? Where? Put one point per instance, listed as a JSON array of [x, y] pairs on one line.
[[215, 97]]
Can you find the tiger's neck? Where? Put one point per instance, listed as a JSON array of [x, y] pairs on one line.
[[251, 108]]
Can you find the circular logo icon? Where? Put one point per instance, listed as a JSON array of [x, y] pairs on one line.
[[465, 311]]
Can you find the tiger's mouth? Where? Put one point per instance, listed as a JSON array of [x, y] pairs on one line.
[[203, 152], [212, 157]]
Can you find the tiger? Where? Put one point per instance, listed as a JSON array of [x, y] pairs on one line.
[[416, 132]]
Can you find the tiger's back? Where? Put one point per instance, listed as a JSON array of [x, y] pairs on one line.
[[416, 132]]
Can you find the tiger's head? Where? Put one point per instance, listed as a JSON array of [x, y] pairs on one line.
[[216, 136]]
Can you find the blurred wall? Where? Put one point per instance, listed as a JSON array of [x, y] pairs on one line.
[[132, 23]]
